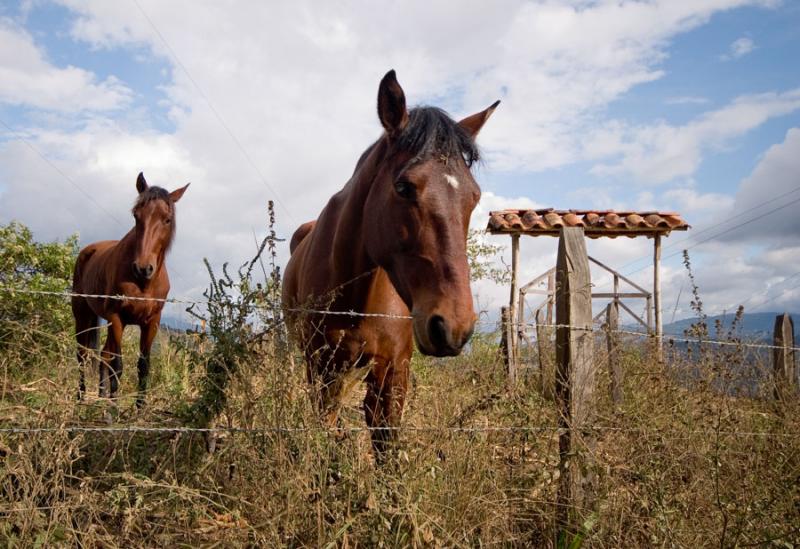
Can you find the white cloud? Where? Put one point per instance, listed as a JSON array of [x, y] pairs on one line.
[[687, 100], [739, 48], [554, 64], [296, 83], [750, 247], [27, 78], [774, 179], [662, 152], [691, 202]]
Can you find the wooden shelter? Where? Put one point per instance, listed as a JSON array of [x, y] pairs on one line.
[[595, 224]]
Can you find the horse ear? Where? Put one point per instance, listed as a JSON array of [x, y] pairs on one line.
[[473, 124], [178, 193], [392, 105], [141, 184]]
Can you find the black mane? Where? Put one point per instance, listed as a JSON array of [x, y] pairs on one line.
[[431, 132]]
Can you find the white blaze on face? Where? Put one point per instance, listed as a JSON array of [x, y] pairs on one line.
[[452, 181]]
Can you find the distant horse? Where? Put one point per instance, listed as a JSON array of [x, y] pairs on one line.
[[133, 267], [391, 242]]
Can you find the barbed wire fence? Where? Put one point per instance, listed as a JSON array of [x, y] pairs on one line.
[[355, 314], [521, 326]]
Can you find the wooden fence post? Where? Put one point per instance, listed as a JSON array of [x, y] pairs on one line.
[[783, 358], [657, 296], [513, 351], [504, 335], [575, 379], [547, 372], [612, 342], [551, 288], [507, 345]]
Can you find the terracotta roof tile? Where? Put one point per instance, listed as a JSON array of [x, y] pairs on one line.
[[596, 223]]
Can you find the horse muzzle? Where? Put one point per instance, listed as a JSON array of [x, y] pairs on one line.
[[435, 336], [143, 272]]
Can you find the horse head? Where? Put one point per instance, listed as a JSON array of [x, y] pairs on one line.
[[154, 212], [416, 215]]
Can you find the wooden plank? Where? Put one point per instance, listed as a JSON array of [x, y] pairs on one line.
[[783, 357], [537, 280], [612, 295], [541, 306], [612, 344], [537, 291], [547, 370], [598, 316], [616, 274], [575, 379], [634, 315], [513, 352]]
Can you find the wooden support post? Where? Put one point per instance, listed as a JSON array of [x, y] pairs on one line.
[[575, 380], [783, 357], [612, 342], [551, 298], [513, 351], [506, 346], [504, 335], [657, 294], [547, 371]]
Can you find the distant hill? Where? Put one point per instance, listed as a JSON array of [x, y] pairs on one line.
[[180, 324], [752, 326]]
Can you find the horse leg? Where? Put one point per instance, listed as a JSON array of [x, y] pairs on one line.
[[111, 358], [387, 385], [148, 334], [86, 324]]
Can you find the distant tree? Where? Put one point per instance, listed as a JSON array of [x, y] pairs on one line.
[[26, 264], [483, 262]]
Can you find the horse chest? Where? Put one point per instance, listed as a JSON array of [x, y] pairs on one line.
[[357, 345]]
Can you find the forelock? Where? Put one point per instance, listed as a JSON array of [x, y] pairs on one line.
[[431, 132], [152, 193]]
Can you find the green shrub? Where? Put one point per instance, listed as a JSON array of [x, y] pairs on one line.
[[29, 265]]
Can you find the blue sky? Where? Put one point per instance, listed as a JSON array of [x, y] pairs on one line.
[[628, 105]]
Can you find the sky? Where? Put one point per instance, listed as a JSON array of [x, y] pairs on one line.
[[671, 105]]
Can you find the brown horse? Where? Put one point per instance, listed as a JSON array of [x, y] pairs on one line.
[[133, 267], [391, 242]]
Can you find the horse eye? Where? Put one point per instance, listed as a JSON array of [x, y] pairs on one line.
[[168, 221], [404, 188]]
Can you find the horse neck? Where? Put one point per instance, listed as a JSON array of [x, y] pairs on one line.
[[351, 262]]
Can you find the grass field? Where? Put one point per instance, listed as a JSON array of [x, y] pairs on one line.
[[678, 464]]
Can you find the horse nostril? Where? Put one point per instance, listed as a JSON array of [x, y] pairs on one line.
[[148, 271], [437, 331]]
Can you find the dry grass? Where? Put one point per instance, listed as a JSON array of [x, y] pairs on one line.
[[674, 464]]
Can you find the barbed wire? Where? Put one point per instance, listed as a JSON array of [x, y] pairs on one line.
[[120, 297], [135, 429], [673, 337], [521, 326]]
